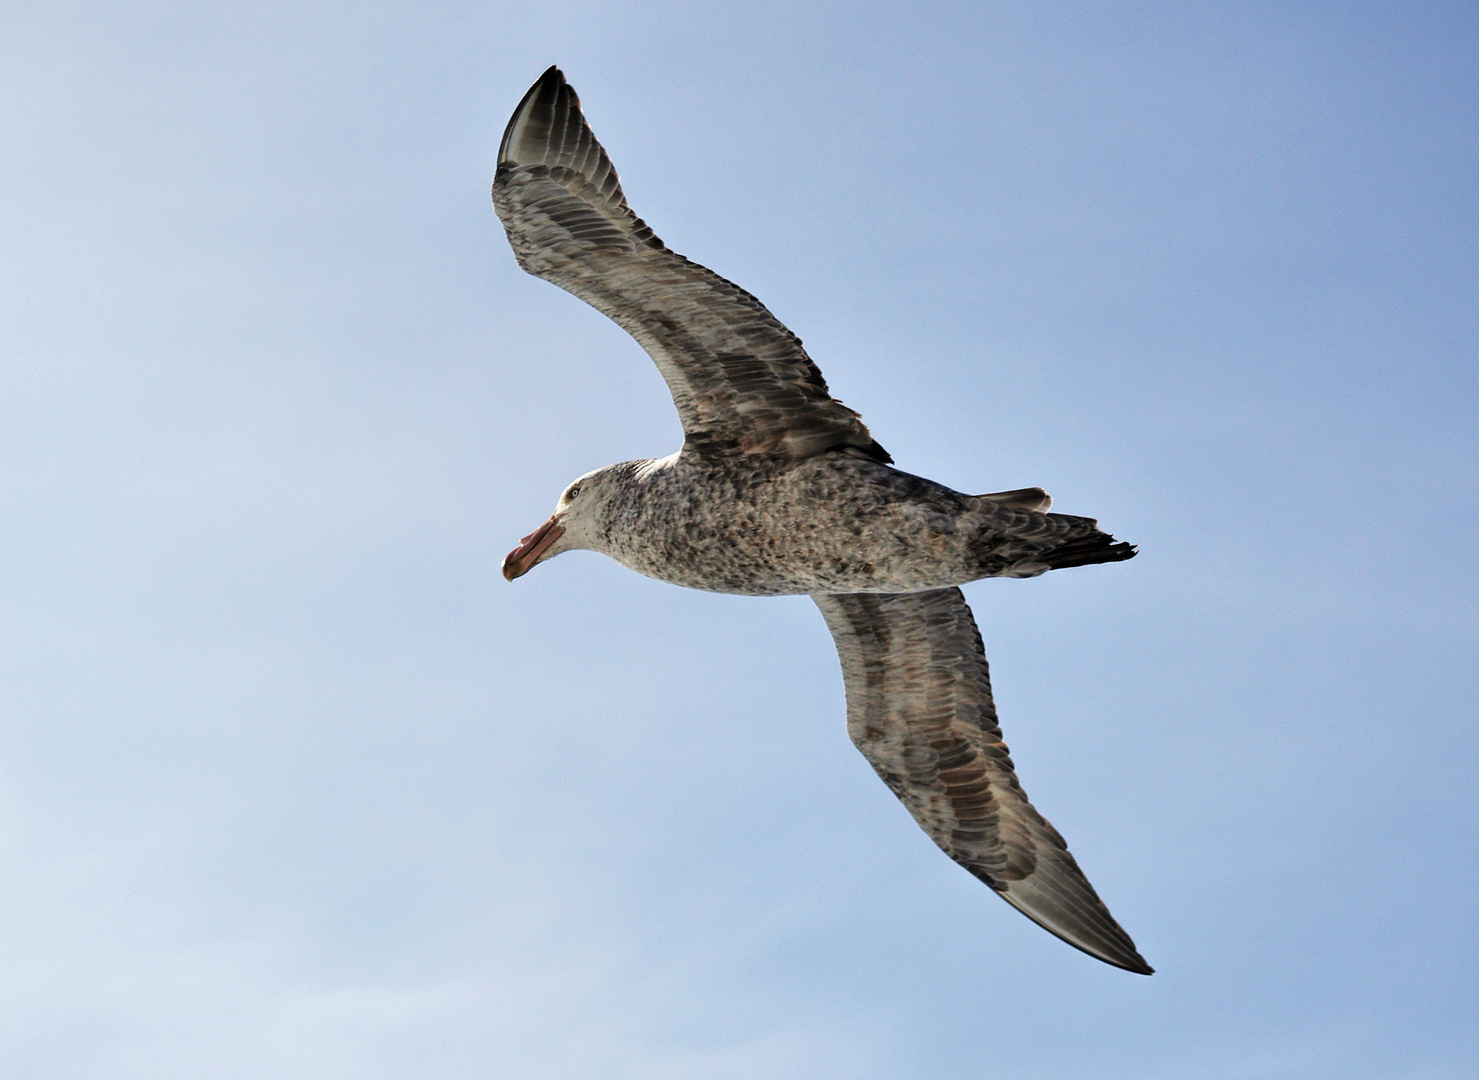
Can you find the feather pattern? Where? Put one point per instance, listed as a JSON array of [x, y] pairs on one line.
[[780, 488], [919, 707], [741, 381]]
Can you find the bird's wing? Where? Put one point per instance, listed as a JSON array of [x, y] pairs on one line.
[[919, 708], [740, 379]]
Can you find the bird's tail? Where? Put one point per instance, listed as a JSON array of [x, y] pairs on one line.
[[1092, 546], [1018, 544]]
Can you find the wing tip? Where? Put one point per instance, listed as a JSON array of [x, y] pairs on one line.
[[544, 94], [1102, 938], [1134, 963]]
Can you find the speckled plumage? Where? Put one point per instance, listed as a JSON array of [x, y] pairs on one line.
[[780, 489]]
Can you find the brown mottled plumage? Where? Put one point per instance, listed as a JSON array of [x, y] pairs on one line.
[[740, 379], [781, 489], [919, 707]]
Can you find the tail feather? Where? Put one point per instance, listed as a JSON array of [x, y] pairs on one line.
[[1018, 538], [1096, 547]]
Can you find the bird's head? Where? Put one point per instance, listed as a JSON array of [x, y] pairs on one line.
[[575, 524]]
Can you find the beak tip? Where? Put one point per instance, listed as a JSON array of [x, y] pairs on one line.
[[531, 549]]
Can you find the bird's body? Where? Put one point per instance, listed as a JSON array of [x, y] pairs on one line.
[[781, 489], [835, 522]]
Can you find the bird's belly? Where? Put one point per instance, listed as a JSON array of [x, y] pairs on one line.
[[775, 554]]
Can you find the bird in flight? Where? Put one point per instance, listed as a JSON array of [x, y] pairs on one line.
[[780, 489]]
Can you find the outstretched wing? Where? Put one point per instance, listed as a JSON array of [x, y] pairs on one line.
[[919, 708], [740, 379]]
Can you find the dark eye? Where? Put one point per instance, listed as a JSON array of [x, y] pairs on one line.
[[574, 491]]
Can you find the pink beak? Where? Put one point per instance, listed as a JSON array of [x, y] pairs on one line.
[[521, 559]]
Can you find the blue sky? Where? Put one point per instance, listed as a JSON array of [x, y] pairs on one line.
[[292, 784]]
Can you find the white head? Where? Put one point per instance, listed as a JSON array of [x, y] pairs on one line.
[[576, 522]]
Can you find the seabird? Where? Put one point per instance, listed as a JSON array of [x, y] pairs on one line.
[[780, 489]]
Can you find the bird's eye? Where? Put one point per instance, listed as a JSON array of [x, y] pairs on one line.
[[574, 491]]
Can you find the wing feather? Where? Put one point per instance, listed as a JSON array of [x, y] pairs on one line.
[[741, 380], [919, 707]]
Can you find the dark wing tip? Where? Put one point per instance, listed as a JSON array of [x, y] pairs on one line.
[[550, 96], [1066, 906], [1134, 963]]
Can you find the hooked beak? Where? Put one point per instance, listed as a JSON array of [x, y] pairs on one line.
[[521, 559]]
